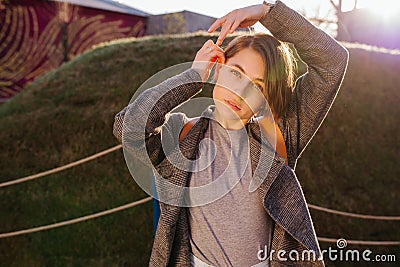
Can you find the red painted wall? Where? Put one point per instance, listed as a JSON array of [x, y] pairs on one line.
[[37, 36]]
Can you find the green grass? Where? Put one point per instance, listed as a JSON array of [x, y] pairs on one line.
[[350, 165]]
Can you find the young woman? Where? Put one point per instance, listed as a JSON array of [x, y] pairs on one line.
[[256, 215]]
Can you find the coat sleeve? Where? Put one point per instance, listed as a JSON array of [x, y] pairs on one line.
[[138, 126], [316, 90]]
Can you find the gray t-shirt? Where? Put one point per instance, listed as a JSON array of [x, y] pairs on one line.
[[231, 230]]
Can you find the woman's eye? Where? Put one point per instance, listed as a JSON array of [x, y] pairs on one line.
[[257, 87], [236, 73], [253, 86]]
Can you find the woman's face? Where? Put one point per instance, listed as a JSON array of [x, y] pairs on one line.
[[238, 91]]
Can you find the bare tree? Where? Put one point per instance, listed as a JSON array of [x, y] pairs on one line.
[[332, 22], [338, 8], [341, 29], [174, 23], [324, 20], [64, 19], [355, 4]]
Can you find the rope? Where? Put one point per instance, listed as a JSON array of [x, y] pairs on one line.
[[112, 149], [361, 242], [144, 200], [61, 168], [80, 219], [355, 215]]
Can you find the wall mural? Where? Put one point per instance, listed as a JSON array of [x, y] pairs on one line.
[[37, 36]]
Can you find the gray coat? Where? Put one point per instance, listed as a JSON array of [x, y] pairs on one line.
[[280, 192]]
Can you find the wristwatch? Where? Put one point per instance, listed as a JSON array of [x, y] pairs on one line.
[[270, 4]]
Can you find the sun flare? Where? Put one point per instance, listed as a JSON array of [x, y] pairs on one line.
[[387, 9]]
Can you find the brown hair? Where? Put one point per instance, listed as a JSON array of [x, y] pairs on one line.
[[280, 67]]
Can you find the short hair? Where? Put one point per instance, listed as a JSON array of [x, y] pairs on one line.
[[280, 68]]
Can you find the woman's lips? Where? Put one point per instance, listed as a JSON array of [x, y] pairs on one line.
[[232, 105]]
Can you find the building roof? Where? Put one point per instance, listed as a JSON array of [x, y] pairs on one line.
[[108, 5]]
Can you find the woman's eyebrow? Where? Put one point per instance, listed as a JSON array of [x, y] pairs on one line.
[[242, 70]]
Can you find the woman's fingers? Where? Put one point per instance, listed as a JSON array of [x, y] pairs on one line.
[[206, 57], [235, 26], [243, 17], [216, 53], [216, 24], [209, 51], [228, 23], [220, 55], [226, 27], [207, 44]]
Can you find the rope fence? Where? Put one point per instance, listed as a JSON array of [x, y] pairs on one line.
[[80, 219], [354, 215], [61, 168], [117, 147], [147, 199], [361, 242]]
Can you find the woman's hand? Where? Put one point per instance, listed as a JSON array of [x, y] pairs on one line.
[[243, 17], [206, 57]]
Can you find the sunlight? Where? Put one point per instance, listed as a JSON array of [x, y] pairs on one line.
[[386, 9]]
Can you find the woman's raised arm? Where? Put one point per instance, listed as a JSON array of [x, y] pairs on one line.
[[316, 90], [326, 62], [142, 120]]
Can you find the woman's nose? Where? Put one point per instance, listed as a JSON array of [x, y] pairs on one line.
[[240, 90], [243, 89]]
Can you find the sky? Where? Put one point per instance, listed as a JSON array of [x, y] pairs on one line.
[[214, 8], [310, 8], [218, 8]]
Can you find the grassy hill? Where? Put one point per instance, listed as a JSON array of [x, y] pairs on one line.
[[68, 114]]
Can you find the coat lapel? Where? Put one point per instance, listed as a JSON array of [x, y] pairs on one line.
[[279, 190], [173, 223], [172, 178]]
